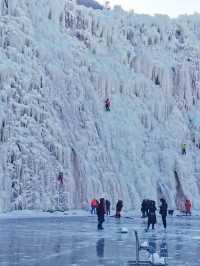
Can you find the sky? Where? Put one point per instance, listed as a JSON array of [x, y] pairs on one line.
[[173, 8]]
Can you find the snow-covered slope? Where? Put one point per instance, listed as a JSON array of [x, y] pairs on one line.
[[58, 63]]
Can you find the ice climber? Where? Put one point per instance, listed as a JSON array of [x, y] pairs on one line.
[[151, 214], [119, 207], [183, 149], [94, 204], [101, 213], [188, 207], [163, 212], [60, 177], [107, 104], [107, 207]]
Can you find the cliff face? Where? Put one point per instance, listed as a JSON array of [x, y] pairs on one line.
[[90, 3], [59, 61]]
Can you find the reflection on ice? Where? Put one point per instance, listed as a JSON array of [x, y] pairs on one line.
[[164, 248], [152, 244], [75, 241], [100, 247]]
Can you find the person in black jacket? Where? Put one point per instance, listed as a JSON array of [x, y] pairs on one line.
[[101, 213], [119, 207], [151, 214], [107, 207], [163, 212], [144, 208]]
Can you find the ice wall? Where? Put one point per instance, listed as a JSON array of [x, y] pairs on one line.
[[59, 61]]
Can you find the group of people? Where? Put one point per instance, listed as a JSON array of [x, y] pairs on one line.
[[95, 204], [148, 209], [102, 208]]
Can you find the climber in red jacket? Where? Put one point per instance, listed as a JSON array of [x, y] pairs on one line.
[[188, 206]]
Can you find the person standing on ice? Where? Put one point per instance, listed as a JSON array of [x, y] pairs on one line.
[[107, 104], [144, 208], [107, 207], [188, 206], [151, 214], [94, 204], [183, 146], [119, 207], [163, 212], [101, 213]]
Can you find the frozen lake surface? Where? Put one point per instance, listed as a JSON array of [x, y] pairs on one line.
[[64, 241]]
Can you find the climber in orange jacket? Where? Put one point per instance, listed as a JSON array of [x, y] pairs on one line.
[[94, 205]]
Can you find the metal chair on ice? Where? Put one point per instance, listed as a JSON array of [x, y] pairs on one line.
[[154, 258]]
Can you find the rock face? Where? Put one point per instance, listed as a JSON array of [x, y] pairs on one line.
[[59, 62], [90, 3]]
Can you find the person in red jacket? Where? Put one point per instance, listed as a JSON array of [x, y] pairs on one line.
[[94, 204], [188, 207], [107, 104]]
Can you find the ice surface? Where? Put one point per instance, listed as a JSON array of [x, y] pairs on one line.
[[123, 230], [157, 260], [67, 241], [144, 245]]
